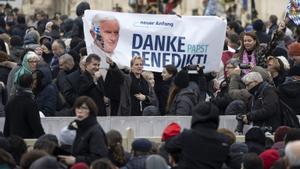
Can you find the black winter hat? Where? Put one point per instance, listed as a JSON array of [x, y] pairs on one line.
[[181, 80], [82, 7], [236, 107], [255, 134], [205, 112]]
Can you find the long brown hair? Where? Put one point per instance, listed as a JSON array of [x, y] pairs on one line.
[[114, 139], [173, 92], [253, 36]]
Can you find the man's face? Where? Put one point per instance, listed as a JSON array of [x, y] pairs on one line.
[[93, 66], [57, 49], [109, 31]]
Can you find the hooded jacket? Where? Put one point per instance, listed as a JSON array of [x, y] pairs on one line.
[[184, 102], [191, 143], [46, 93], [290, 93]]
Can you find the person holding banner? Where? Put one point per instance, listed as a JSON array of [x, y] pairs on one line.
[[105, 32], [91, 83], [134, 89]]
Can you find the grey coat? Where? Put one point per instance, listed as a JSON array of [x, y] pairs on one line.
[[183, 102], [237, 89]]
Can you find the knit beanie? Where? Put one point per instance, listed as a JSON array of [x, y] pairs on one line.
[[205, 112], [170, 131], [80, 166], [141, 145], [269, 157], [280, 133]]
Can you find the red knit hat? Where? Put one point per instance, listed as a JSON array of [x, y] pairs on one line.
[[170, 131], [280, 133], [294, 49], [80, 166], [269, 157]]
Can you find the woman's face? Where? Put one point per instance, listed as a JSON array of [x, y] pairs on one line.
[[249, 43], [33, 62], [271, 66], [82, 112], [137, 67], [166, 75]]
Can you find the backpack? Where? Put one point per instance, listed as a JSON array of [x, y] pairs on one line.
[[288, 115]]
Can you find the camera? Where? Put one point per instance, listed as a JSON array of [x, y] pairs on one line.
[[244, 66], [192, 67]]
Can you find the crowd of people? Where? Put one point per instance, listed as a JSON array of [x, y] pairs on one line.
[[45, 71]]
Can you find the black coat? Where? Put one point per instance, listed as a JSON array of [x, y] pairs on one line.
[[162, 91], [264, 109], [290, 94], [136, 163], [200, 147], [90, 142], [71, 86], [87, 87], [23, 120]]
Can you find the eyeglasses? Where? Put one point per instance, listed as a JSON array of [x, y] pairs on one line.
[[229, 67], [33, 61], [83, 108]]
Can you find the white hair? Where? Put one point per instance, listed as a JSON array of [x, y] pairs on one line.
[[292, 152], [32, 55], [67, 58], [98, 18], [251, 77]]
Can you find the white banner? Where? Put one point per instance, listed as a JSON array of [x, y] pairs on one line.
[[159, 39]]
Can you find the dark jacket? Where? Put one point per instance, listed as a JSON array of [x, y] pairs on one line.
[[264, 109], [112, 87], [46, 94], [23, 120], [136, 163], [263, 37], [4, 71], [87, 87], [290, 94], [162, 89], [129, 105], [183, 102], [90, 142], [201, 146], [71, 87]]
